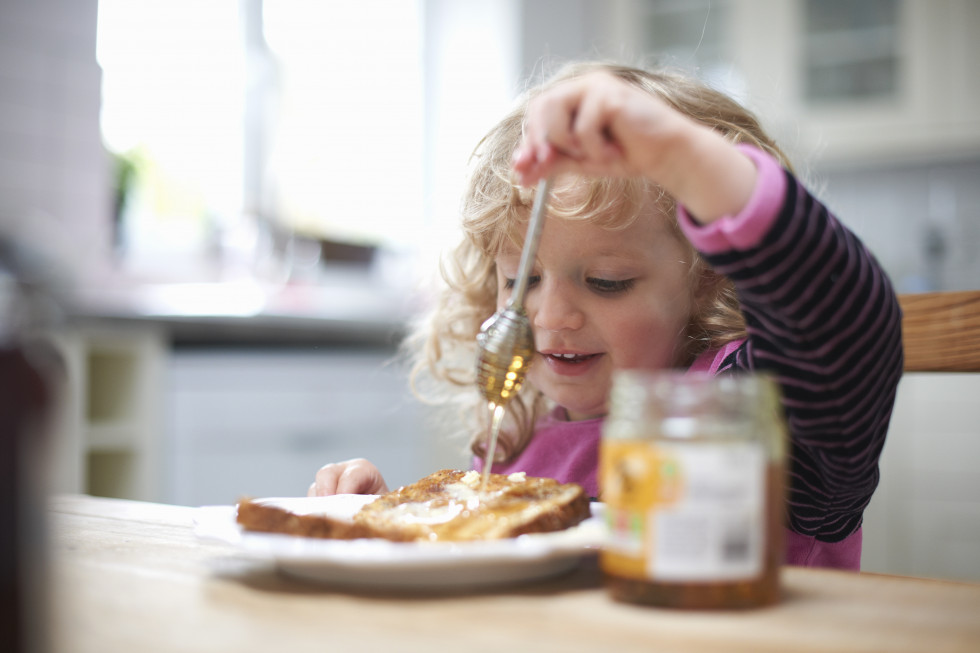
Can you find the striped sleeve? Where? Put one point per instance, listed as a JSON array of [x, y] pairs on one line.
[[822, 316]]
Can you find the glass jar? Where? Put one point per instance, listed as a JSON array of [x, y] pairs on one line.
[[692, 476]]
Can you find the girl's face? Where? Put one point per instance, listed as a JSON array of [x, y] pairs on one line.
[[600, 300]]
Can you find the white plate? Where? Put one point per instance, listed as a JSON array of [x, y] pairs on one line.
[[400, 565]]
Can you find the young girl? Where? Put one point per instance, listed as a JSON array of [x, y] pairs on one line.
[[676, 238]]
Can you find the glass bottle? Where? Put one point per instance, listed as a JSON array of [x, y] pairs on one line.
[[28, 369], [692, 476]]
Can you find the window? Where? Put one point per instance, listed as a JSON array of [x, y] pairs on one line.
[[851, 50], [692, 36], [244, 121], [172, 112], [346, 146]]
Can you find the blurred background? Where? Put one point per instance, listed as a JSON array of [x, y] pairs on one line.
[[237, 206]]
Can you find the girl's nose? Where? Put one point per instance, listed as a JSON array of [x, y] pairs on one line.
[[552, 307]]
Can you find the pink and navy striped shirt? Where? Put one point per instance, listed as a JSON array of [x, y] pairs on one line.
[[822, 316]]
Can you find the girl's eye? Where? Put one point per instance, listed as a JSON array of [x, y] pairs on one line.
[[610, 286], [531, 282]]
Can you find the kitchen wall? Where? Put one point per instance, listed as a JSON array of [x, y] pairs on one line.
[[55, 189], [922, 220]]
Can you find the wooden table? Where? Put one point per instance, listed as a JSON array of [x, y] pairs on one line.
[[131, 576]]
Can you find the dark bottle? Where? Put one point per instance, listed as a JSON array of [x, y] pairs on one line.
[[27, 373]]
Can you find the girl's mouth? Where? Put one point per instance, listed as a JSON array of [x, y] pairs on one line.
[[573, 359], [569, 365]]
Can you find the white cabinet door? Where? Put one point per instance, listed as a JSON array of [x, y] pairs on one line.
[[261, 422]]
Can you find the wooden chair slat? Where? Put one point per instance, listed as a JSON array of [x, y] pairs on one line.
[[941, 331]]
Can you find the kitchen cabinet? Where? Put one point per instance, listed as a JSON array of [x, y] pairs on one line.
[[927, 112], [142, 417], [837, 82], [259, 421], [109, 438]]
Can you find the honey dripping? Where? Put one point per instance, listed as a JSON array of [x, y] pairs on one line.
[[499, 389]]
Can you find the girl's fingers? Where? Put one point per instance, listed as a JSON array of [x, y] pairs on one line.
[[570, 129], [591, 129], [361, 477], [530, 165], [325, 481], [549, 123], [357, 476]]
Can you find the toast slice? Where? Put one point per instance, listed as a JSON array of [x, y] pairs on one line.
[[444, 506], [266, 518]]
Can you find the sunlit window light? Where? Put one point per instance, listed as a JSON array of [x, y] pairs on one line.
[[340, 100], [347, 156]]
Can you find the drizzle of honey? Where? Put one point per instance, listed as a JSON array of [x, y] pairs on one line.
[[499, 378], [496, 417]]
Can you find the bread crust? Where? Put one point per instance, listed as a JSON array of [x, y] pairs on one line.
[[444, 506], [256, 516]]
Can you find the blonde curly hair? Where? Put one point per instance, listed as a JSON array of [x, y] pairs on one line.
[[495, 210]]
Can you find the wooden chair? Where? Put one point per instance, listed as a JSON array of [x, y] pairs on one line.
[[924, 519], [941, 331]]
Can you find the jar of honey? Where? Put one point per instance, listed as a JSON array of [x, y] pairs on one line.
[[692, 476]]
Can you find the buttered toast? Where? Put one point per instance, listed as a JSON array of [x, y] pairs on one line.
[[444, 506]]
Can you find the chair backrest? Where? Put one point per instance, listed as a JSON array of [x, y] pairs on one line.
[[928, 469], [941, 331]]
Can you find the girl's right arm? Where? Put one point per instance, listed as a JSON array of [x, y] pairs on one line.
[[357, 476]]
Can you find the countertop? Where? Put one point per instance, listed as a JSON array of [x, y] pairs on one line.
[[349, 308], [132, 576]]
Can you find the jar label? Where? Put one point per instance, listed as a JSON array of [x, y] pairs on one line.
[[691, 511]]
